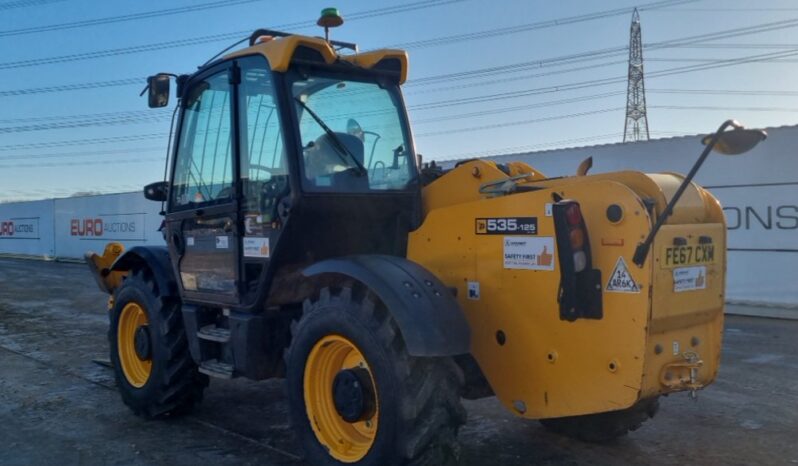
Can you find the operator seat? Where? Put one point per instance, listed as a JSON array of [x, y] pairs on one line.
[[349, 180]]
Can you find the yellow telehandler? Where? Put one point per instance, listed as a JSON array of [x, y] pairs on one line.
[[306, 240]]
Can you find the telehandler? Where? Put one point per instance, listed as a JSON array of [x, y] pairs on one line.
[[305, 240]]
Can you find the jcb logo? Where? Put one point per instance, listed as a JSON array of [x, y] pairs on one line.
[[6, 228]]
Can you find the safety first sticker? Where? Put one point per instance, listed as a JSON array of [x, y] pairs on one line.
[[621, 280], [689, 278], [533, 253]]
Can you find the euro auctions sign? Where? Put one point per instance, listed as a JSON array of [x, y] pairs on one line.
[[111, 227], [19, 228]]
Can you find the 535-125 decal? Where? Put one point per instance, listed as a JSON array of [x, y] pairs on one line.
[[507, 226]]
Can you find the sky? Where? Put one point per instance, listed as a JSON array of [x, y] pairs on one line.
[[485, 77]]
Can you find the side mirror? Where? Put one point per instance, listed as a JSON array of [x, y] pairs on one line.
[[737, 141], [157, 191], [158, 86]]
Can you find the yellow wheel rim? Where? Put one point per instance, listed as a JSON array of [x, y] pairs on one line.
[[346, 442], [136, 370]]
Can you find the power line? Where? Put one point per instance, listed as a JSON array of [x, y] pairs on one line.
[[73, 87], [72, 164], [518, 123], [140, 116], [737, 46], [466, 37], [727, 9], [67, 155], [705, 60], [513, 78], [690, 41], [722, 108], [519, 107], [360, 15], [82, 142], [123, 18], [209, 38], [129, 113], [25, 3], [131, 117], [725, 92], [82, 123], [609, 52], [572, 86], [602, 81]]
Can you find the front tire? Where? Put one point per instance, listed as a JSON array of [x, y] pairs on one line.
[[154, 371], [404, 410]]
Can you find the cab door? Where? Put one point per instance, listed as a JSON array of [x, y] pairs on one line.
[[203, 221]]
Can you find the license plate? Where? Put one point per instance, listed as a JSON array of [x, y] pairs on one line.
[[681, 256]]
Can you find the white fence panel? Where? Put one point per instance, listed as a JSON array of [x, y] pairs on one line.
[[88, 223], [26, 229]]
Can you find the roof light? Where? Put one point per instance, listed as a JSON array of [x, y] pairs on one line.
[[330, 18]]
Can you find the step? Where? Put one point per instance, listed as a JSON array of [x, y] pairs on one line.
[[216, 368], [214, 333]]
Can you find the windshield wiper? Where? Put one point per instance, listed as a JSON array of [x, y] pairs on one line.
[[341, 148]]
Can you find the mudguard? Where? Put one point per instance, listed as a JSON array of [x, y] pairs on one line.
[[156, 258], [428, 316]]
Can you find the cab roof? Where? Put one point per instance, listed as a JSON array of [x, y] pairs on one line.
[[281, 51]]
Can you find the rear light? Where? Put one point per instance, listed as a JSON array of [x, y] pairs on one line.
[[573, 215], [580, 261], [580, 284], [577, 236]]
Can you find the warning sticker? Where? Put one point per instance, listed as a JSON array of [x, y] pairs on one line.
[[621, 280], [689, 278], [535, 253], [473, 290], [255, 246]]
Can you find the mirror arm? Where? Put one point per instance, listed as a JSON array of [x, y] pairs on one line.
[[641, 252]]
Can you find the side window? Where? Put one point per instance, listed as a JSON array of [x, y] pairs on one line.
[[264, 168], [204, 168]]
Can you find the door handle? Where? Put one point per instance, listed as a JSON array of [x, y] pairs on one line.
[[225, 223]]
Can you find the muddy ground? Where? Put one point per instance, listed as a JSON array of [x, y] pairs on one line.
[[59, 407]]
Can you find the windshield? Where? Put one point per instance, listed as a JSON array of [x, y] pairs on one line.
[[353, 135]]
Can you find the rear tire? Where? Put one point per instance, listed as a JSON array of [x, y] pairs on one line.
[[158, 378], [418, 403], [604, 427]]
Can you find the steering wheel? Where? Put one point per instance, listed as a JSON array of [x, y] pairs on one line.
[[272, 188]]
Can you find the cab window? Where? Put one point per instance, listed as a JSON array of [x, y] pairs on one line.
[[204, 165], [353, 134]]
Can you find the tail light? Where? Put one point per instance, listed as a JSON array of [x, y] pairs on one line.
[[580, 284]]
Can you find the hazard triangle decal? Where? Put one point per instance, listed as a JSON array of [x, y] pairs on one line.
[[621, 280]]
